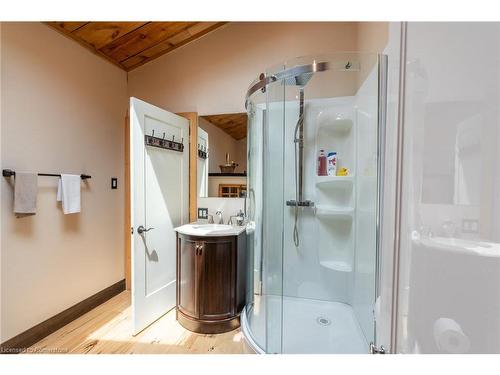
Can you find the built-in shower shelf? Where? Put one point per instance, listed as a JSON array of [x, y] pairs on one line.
[[338, 125], [338, 181], [323, 211], [336, 265]]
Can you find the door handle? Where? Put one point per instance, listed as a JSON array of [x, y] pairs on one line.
[[199, 249], [142, 230]]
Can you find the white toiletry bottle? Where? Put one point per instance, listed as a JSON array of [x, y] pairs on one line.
[[332, 164]]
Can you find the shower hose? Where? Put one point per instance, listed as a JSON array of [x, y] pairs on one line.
[[296, 140]]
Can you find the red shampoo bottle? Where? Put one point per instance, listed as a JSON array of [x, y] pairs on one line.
[[322, 167]]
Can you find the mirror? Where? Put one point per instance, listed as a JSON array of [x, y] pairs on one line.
[[222, 155], [452, 158]]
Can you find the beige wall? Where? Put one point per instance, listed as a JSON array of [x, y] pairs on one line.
[[63, 111], [241, 154], [212, 74], [219, 142], [372, 36]]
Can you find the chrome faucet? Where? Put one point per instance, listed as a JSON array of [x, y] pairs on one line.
[[240, 218], [219, 215]]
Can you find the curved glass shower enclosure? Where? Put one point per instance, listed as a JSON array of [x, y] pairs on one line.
[[313, 239]]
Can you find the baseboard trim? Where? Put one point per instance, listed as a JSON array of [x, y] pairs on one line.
[[19, 343]]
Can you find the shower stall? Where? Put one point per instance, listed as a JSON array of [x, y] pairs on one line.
[[313, 239]]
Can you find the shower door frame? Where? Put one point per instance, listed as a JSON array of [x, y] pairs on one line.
[[382, 65]]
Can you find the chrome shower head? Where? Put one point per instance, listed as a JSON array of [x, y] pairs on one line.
[[301, 74], [298, 80]]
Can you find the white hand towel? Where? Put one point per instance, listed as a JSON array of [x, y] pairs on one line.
[[25, 191], [68, 192]]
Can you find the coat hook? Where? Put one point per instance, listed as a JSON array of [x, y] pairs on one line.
[[163, 135], [182, 140], [173, 138], [153, 134]]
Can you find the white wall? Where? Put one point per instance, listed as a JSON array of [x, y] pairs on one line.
[[212, 74], [228, 206], [63, 110]]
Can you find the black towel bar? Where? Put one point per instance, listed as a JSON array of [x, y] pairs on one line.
[[10, 173]]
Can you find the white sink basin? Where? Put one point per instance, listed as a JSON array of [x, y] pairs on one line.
[[210, 230], [482, 248]]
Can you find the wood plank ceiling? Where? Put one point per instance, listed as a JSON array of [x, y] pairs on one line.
[[131, 44], [234, 124]]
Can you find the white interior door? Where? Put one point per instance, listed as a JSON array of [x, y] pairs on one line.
[[159, 194], [202, 168]]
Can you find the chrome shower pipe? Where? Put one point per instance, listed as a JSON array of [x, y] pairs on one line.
[[300, 141]]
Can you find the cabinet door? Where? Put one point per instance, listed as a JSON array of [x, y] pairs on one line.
[[217, 279], [187, 285]]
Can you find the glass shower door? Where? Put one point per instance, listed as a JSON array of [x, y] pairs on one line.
[[314, 237], [449, 280], [265, 213], [329, 274]]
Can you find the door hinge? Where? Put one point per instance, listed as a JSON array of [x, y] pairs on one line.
[[376, 350], [132, 230]]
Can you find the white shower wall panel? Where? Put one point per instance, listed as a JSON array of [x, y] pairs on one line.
[[304, 275]]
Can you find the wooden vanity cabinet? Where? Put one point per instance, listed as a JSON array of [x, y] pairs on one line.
[[211, 279]]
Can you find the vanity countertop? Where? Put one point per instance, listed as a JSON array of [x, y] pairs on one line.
[[210, 230]]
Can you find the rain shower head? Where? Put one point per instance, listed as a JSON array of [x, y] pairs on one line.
[[297, 76], [299, 80], [301, 74]]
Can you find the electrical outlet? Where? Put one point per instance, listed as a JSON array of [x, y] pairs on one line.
[[202, 213], [470, 226], [114, 183]]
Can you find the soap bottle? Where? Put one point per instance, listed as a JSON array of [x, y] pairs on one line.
[[332, 164], [322, 168]]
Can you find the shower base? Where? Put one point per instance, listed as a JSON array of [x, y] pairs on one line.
[[309, 327]]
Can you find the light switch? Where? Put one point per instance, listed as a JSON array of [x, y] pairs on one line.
[[114, 183]]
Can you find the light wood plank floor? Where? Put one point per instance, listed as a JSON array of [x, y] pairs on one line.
[[107, 329]]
